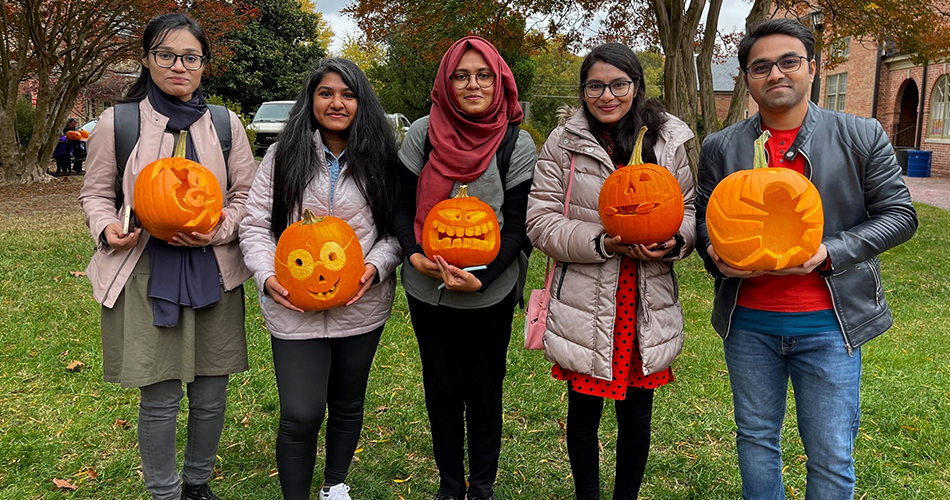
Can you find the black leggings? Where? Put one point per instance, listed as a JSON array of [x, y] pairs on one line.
[[312, 376], [633, 441]]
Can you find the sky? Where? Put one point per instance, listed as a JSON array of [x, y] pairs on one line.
[[731, 17]]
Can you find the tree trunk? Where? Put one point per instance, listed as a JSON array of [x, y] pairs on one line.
[[760, 9], [707, 91]]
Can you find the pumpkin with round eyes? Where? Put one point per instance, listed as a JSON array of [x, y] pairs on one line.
[[177, 195], [765, 218], [74, 135], [641, 202], [319, 261], [463, 230]]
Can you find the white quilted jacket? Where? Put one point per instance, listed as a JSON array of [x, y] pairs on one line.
[[583, 303]]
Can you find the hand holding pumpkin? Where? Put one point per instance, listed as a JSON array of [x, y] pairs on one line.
[[457, 279], [729, 271], [194, 238], [821, 255], [277, 292], [366, 281]]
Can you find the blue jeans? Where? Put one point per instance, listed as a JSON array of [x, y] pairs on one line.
[[827, 384]]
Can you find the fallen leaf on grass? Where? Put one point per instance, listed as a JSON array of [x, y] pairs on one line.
[[403, 480], [272, 473], [77, 273], [56, 279], [64, 484], [87, 472], [246, 422], [75, 365], [120, 423]]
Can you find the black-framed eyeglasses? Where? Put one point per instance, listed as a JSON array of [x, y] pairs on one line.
[[618, 88], [786, 65], [167, 59], [483, 79]]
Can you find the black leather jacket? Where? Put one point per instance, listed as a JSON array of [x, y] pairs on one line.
[[866, 205]]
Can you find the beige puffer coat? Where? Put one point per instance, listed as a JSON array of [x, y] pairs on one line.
[[583, 292]]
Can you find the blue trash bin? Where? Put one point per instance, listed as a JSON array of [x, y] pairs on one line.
[[918, 163]]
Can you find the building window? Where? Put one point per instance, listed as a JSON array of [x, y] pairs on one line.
[[840, 48], [836, 87], [940, 109]]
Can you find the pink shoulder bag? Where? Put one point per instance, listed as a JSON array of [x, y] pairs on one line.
[[536, 316]]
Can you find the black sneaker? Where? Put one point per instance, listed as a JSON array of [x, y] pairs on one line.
[[441, 495], [200, 492], [490, 497]]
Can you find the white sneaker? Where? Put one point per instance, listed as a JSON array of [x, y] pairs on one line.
[[338, 492]]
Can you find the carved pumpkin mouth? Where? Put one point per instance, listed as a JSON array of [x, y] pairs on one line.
[[477, 237], [639, 209], [328, 294]]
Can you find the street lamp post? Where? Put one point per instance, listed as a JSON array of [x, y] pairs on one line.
[[816, 23]]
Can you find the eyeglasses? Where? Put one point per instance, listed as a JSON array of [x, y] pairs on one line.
[[168, 59], [618, 88], [483, 79], [786, 65]]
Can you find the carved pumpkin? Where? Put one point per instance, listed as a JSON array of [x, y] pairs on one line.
[[73, 135], [641, 202], [765, 218], [84, 134], [319, 261], [177, 195], [463, 230]]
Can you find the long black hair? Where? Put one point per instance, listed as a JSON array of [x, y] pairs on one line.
[[643, 111], [155, 34], [370, 150]]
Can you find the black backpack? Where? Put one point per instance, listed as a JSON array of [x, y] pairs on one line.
[[127, 135]]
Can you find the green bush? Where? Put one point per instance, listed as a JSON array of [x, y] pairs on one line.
[[25, 118], [236, 107], [536, 135]]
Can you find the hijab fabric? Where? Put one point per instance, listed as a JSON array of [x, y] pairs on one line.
[[462, 144]]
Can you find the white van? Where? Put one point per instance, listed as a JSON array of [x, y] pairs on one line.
[[268, 121]]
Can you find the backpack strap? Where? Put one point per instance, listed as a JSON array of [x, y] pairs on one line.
[[127, 135], [502, 154]]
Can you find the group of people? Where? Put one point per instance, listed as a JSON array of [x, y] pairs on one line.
[[173, 312]]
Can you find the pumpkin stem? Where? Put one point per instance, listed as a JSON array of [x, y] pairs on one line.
[[463, 191], [180, 147], [309, 218], [637, 157], [760, 160]]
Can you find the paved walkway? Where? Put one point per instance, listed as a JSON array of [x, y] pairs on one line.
[[930, 190]]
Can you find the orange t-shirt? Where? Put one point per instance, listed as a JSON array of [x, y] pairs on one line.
[[785, 293]]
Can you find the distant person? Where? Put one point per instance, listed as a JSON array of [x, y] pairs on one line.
[[615, 323], [66, 149], [474, 108], [806, 323], [172, 312], [336, 156]]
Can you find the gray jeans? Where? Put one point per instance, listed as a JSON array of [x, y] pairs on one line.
[[158, 412]]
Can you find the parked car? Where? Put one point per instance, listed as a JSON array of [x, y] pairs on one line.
[[268, 121], [88, 126], [400, 125]]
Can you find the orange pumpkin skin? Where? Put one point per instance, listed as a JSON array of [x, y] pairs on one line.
[[175, 194], [84, 134], [73, 135], [463, 230], [320, 262], [642, 203], [765, 219]]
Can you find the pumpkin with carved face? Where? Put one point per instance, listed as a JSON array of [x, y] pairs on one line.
[[641, 202], [177, 195], [74, 135], [765, 218], [319, 261], [463, 230]]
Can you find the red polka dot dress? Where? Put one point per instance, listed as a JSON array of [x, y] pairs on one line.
[[627, 364]]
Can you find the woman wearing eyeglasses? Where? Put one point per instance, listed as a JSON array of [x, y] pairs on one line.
[[172, 312], [614, 323], [462, 318]]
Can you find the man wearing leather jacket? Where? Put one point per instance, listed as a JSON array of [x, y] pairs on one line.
[[805, 323]]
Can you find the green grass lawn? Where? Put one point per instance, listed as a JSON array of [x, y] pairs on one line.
[[56, 423]]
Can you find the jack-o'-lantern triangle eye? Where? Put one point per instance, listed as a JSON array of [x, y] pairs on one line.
[[644, 177]]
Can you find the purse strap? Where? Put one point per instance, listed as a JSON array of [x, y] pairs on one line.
[[548, 274]]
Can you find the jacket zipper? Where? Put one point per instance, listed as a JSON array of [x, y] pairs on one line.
[[877, 284], [560, 280]]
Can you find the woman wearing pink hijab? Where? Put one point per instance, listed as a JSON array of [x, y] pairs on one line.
[[462, 319]]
